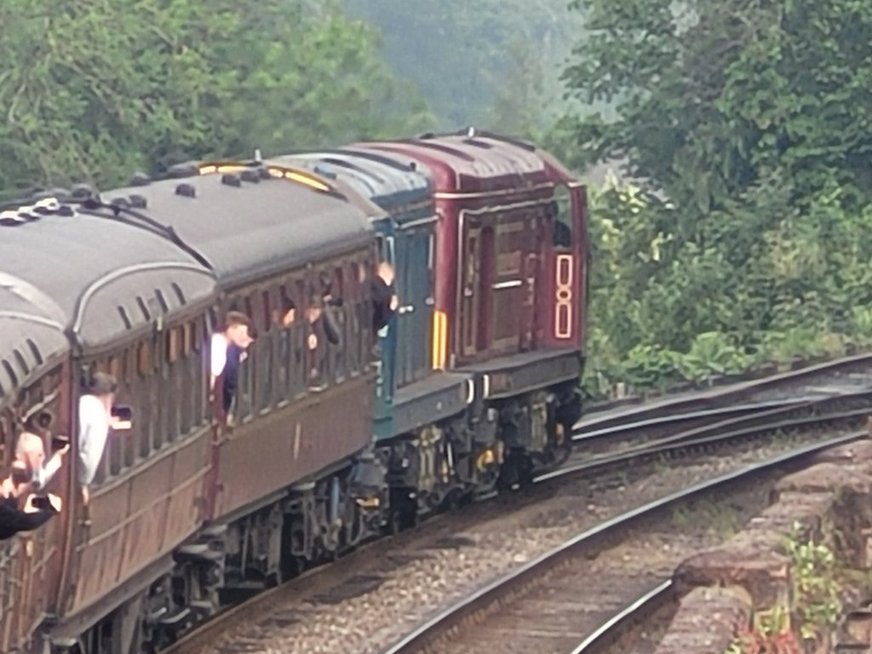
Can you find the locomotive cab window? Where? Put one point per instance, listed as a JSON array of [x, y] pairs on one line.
[[560, 213]]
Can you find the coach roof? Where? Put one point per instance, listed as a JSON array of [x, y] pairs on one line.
[[387, 180], [97, 278], [252, 225]]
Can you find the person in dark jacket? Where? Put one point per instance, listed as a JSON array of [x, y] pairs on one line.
[[37, 509], [384, 297]]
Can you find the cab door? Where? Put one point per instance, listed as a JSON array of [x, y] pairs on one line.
[[564, 295], [470, 281], [414, 314]]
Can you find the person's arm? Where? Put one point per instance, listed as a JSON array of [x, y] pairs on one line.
[[14, 520], [49, 470], [331, 326]]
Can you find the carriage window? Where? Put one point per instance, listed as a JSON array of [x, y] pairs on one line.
[[144, 361], [266, 301], [175, 344], [189, 342], [560, 212]]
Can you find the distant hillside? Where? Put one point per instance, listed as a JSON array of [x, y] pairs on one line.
[[491, 63]]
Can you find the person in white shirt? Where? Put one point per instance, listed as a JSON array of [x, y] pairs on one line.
[[227, 351], [95, 420], [30, 450]]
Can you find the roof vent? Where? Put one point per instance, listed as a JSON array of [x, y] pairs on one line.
[[263, 173], [140, 179], [138, 201], [47, 206], [66, 211], [10, 218], [250, 175], [470, 132], [186, 191], [82, 191], [121, 203], [29, 213], [413, 165], [231, 180], [325, 172], [188, 169]]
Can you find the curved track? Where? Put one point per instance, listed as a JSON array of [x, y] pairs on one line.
[[509, 614], [791, 403]]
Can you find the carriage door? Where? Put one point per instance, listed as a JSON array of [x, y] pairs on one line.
[[469, 290]]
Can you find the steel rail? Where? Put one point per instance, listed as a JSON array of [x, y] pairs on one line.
[[581, 545], [698, 400], [640, 609], [581, 436], [682, 441], [688, 389]]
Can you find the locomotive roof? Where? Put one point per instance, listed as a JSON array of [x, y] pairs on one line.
[[97, 277], [464, 163], [387, 180], [247, 228]]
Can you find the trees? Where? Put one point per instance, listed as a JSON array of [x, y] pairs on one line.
[[96, 88], [715, 96], [491, 63], [752, 117]]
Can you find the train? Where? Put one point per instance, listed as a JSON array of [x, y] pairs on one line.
[[468, 388]]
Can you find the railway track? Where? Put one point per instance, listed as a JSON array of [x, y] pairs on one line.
[[570, 600], [824, 397]]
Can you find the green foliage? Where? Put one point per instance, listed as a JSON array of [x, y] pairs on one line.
[[815, 587], [769, 634], [716, 96], [672, 301], [491, 63], [93, 89]]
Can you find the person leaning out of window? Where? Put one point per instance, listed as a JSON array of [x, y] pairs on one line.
[[30, 449], [96, 418], [15, 481]]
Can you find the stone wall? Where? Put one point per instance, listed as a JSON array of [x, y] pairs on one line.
[[722, 588]]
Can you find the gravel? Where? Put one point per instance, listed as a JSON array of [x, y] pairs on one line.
[[404, 581]]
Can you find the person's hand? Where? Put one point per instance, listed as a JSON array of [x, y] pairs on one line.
[[120, 425], [63, 451], [312, 341], [395, 302], [56, 502], [86, 496]]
